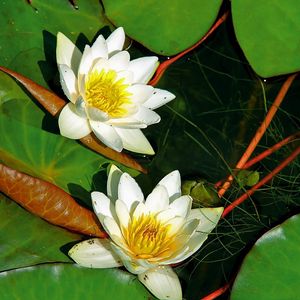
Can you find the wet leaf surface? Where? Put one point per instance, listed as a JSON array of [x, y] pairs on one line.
[[271, 268]]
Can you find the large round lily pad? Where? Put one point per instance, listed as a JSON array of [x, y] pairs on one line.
[[166, 27], [271, 270], [68, 281], [269, 34]]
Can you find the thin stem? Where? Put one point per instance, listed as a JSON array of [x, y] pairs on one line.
[[217, 292], [265, 154], [163, 66], [242, 198], [271, 150], [260, 132]]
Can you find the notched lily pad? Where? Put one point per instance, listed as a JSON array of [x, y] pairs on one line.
[[269, 34], [165, 27]]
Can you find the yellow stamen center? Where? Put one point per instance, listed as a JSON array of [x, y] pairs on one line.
[[147, 237], [104, 91]]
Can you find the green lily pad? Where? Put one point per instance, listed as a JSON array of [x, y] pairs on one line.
[[17, 104], [271, 270], [29, 39], [68, 281], [28, 240], [269, 34], [165, 27], [48, 156]]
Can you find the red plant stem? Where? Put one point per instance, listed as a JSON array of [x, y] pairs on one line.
[[266, 153], [242, 198], [260, 131], [271, 150], [164, 65], [217, 292]]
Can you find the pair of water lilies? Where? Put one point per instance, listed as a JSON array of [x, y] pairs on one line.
[[109, 96]]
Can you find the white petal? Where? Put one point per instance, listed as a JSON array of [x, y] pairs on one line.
[[96, 114], [126, 76], [119, 61], [158, 200], [100, 65], [71, 125], [165, 215], [67, 53], [112, 228], [68, 82], [116, 40], [140, 92], [162, 282], [122, 213], [135, 141], [176, 225], [113, 180], [182, 241], [172, 183], [181, 206], [143, 68], [176, 257], [190, 227], [107, 135], [159, 97], [131, 265], [99, 48], [209, 217], [129, 191], [80, 107], [126, 123], [86, 61], [208, 221], [146, 116], [103, 207], [140, 210], [95, 253], [81, 84]]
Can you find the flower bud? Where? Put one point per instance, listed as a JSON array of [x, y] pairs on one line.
[[202, 192]]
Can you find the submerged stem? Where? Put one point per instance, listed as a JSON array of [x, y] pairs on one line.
[[217, 292], [260, 131], [242, 198], [265, 154]]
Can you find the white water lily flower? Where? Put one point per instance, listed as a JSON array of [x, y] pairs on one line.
[[108, 93], [146, 236]]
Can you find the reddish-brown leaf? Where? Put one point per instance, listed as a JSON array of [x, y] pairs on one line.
[[48, 202], [54, 104]]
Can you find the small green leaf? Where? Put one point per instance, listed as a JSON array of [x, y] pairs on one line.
[[269, 34], [202, 192], [66, 281], [271, 270], [165, 27], [247, 178]]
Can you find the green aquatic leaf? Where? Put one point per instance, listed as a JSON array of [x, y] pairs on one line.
[[165, 27], [271, 270], [28, 240], [27, 45], [67, 281], [269, 34], [51, 157], [247, 178]]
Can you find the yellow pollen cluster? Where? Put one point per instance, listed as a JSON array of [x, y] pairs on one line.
[[148, 237], [105, 92]]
